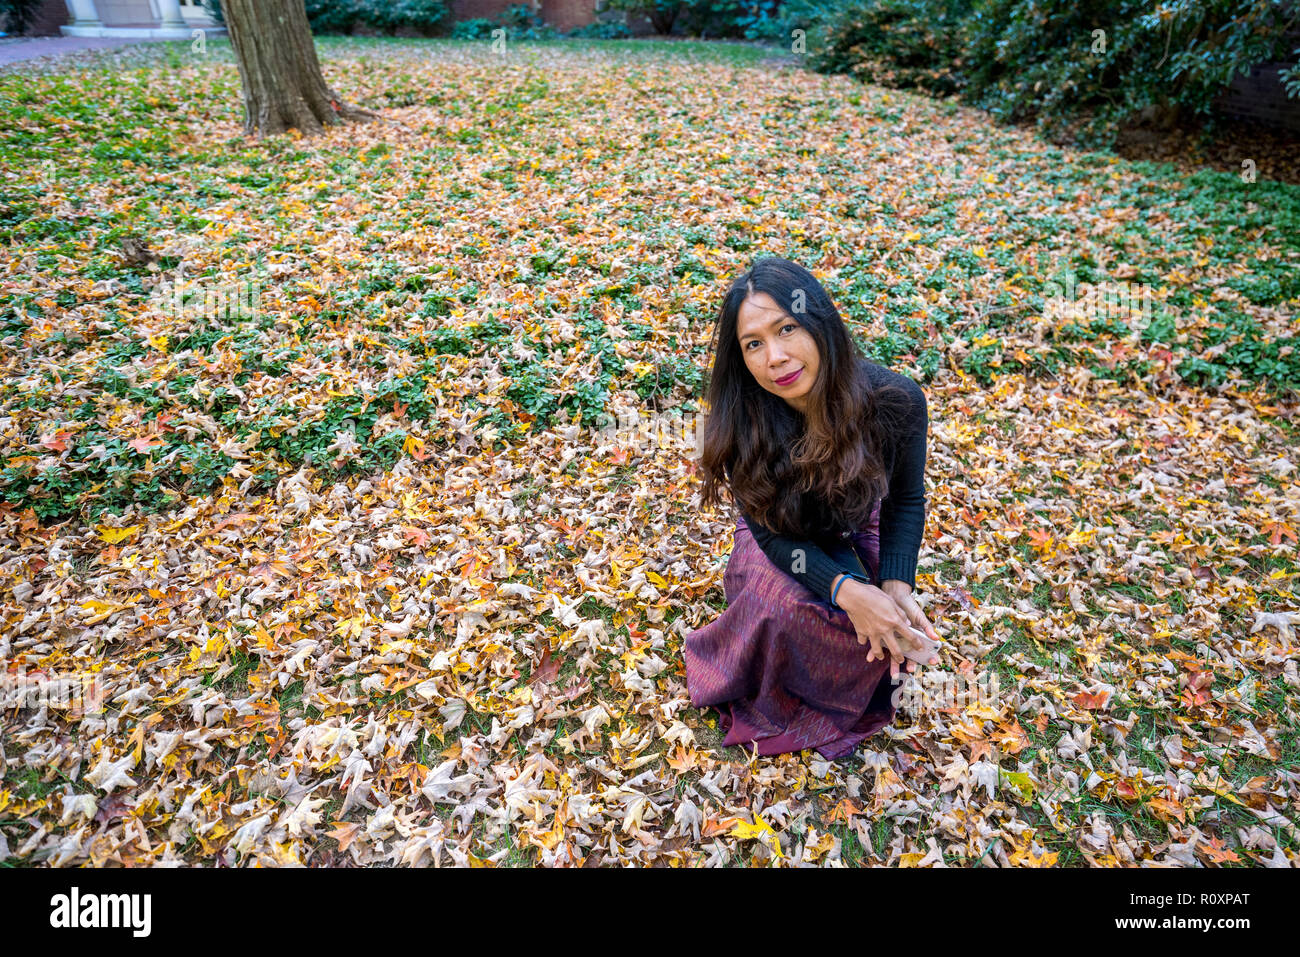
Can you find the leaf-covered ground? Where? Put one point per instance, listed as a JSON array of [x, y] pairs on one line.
[[362, 580]]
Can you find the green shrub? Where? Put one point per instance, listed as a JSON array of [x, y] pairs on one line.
[[1086, 69], [601, 30], [1046, 59], [522, 23], [17, 15], [905, 43], [331, 16], [478, 28], [662, 14], [341, 16], [724, 18], [392, 15]]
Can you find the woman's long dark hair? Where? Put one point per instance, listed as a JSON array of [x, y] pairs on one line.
[[799, 474]]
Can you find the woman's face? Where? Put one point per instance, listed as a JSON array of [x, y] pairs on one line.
[[780, 354]]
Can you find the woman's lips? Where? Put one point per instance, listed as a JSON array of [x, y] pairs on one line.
[[789, 380]]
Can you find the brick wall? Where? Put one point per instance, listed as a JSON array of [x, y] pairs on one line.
[[472, 9], [50, 15], [561, 14], [1260, 96], [567, 14]]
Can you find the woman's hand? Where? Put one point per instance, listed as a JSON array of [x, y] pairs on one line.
[[901, 592], [882, 623]]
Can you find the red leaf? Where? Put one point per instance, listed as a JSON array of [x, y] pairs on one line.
[[844, 811], [57, 442], [574, 689], [110, 809], [1276, 531], [1090, 702], [1040, 538], [144, 444], [546, 669], [234, 520], [1218, 852]]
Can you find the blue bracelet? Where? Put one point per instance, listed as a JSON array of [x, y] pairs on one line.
[[836, 590]]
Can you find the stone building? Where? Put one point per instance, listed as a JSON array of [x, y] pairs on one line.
[[146, 19]]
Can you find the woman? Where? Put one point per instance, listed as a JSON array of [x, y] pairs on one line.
[[824, 454]]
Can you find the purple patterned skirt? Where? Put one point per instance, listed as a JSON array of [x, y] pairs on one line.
[[782, 666]]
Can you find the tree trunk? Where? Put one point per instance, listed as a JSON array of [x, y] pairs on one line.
[[283, 86], [663, 16]]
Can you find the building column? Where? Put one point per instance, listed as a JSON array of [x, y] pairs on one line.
[[84, 13], [170, 15]]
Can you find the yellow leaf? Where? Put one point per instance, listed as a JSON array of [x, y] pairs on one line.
[[755, 831], [115, 535], [1019, 781], [815, 849], [100, 610], [656, 580], [351, 626]]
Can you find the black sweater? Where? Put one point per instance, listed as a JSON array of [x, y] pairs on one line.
[[902, 511]]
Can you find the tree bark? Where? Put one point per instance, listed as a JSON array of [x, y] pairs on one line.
[[663, 16], [283, 86]]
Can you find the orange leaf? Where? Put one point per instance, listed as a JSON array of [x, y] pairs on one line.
[[715, 825], [234, 520], [57, 441], [1013, 739], [1219, 853], [144, 444], [1168, 810], [843, 811], [1040, 538], [345, 832], [681, 760], [1276, 532], [1090, 702]]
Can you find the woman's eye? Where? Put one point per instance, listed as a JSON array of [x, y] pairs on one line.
[[787, 326]]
